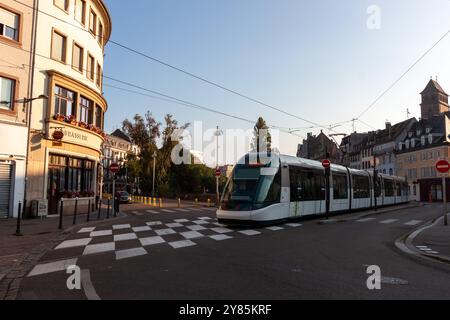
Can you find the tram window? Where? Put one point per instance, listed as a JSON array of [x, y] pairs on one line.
[[388, 188], [378, 187], [340, 186], [361, 187], [307, 184], [399, 189]]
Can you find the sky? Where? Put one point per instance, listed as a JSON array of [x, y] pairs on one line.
[[325, 61]]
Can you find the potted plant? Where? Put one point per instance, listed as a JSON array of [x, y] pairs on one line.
[[58, 117], [82, 124], [71, 120]]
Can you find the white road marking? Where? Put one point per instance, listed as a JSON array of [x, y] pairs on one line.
[[192, 234], [124, 237], [181, 220], [163, 232], [421, 247], [141, 229], [152, 211], [425, 249], [74, 243], [196, 228], [174, 225], [182, 210], [182, 244], [219, 224], [86, 230], [136, 213], [167, 210], [433, 252], [100, 233], [250, 232], [221, 230], [413, 222], [130, 253], [154, 223], [388, 221], [205, 218], [200, 222], [365, 220], [293, 225], [51, 267], [121, 226], [275, 228], [220, 237], [99, 248], [88, 288], [151, 241]]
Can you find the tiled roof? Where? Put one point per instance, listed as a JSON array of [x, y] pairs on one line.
[[433, 86], [120, 134]]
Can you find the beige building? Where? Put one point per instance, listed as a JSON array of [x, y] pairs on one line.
[[16, 21]]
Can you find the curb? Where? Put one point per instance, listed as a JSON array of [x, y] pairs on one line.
[[10, 282], [405, 243]]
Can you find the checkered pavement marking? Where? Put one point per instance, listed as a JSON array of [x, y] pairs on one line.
[[126, 241]]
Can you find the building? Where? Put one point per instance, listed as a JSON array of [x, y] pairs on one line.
[[67, 129], [116, 149], [427, 141], [318, 148], [16, 21], [352, 146]]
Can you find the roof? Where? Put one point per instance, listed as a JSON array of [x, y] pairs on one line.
[[121, 135], [383, 136], [432, 87]]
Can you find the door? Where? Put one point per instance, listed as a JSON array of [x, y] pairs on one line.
[[5, 189], [55, 185]]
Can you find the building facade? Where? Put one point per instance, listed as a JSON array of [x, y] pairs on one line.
[[16, 21], [67, 128], [318, 148]]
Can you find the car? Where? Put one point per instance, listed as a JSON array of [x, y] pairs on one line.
[[125, 197]]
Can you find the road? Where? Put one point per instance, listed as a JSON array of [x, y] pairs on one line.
[[175, 254]]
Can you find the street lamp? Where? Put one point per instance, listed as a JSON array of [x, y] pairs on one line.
[[154, 155], [217, 133], [26, 101]]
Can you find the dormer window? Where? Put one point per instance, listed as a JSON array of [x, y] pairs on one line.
[[430, 138], [428, 130], [410, 134], [407, 144], [418, 133], [422, 140], [400, 146], [413, 143]]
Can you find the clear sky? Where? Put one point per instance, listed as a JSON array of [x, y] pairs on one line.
[[315, 59]]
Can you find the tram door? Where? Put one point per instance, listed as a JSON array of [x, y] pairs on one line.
[[307, 191]]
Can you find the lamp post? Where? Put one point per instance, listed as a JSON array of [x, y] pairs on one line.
[[218, 133], [26, 101], [154, 170]]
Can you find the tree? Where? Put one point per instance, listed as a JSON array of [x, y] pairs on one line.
[[261, 137]]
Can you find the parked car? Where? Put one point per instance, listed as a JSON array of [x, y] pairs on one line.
[[125, 197]]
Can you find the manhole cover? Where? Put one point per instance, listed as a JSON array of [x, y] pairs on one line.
[[396, 281]]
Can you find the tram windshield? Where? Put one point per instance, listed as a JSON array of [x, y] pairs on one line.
[[252, 187]]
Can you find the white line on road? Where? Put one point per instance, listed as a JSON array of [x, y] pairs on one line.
[[130, 253], [152, 211], [167, 211], [51, 267], [88, 288], [413, 222], [365, 220], [388, 221]]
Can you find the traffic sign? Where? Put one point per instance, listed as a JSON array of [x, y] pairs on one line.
[[114, 168], [326, 163], [443, 166], [218, 172]]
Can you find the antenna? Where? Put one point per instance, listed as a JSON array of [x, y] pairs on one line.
[[407, 113], [353, 124]]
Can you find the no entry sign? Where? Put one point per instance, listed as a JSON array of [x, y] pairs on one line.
[[218, 172], [442, 166], [114, 168], [326, 164]]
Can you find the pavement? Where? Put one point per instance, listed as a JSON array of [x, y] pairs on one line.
[[184, 253]]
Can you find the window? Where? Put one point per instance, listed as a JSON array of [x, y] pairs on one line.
[[90, 69], [361, 187], [340, 186], [100, 33], [93, 22], [62, 4], [64, 101], [9, 24], [80, 11], [7, 90], [78, 57], [307, 184], [85, 110], [98, 117], [388, 188], [99, 76], [59, 43]]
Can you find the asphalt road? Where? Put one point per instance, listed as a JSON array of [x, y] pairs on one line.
[[311, 261]]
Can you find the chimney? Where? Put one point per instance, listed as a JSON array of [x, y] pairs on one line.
[[388, 128]]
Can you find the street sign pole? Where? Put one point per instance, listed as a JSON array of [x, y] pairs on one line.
[[327, 166], [114, 195], [444, 197], [443, 166]]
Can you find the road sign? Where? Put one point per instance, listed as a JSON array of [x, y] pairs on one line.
[[218, 172], [442, 166], [114, 168], [326, 163]]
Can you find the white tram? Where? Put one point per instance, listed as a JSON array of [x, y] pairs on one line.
[[268, 188]]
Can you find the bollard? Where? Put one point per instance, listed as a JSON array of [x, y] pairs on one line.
[[75, 211], [99, 210], [89, 211], [179, 203], [154, 202], [160, 202], [19, 213], [61, 210], [108, 208], [209, 203], [196, 202]]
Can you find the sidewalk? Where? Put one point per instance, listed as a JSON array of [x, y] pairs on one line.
[[434, 241], [18, 254]]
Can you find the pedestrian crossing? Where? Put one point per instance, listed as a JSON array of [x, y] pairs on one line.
[[174, 210], [410, 223]]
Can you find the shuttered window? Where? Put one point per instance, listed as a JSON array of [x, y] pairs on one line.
[[5, 189], [59, 43], [9, 24]]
